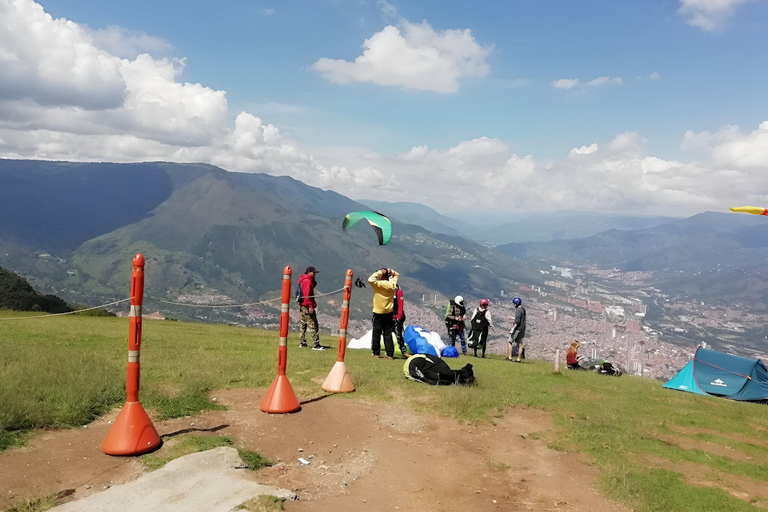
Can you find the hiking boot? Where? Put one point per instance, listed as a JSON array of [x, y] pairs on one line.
[[390, 357], [303, 345], [318, 347]]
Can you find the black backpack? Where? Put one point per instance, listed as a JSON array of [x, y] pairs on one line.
[[299, 295]]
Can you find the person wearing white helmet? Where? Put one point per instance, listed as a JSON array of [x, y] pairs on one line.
[[454, 321]]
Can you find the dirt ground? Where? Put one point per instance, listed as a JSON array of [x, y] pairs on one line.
[[362, 456]]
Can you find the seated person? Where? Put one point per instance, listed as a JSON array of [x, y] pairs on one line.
[[572, 356]]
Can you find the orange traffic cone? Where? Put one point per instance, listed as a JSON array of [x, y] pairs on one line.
[[280, 398], [339, 380], [132, 433]]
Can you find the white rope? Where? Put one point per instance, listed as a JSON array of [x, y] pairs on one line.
[[236, 305], [166, 302], [67, 313], [215, 305]]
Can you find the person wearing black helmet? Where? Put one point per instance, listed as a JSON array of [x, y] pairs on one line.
[[517, 332]]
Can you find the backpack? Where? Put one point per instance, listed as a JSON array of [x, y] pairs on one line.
[[299, 295]]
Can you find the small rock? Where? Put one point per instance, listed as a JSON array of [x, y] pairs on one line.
[[301, 449]]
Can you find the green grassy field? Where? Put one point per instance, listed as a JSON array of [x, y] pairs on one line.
[[65, 371]]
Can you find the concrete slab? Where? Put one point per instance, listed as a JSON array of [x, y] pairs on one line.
[[200, 482]]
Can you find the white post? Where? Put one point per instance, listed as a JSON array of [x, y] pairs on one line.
[[557, 361]]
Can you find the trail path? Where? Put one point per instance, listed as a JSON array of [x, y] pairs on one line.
[[363, 456]]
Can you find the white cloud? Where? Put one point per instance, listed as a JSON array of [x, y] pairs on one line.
[[64, 96], [267, 12], [729, 148], [584, 150], [654, 76], [709, 15], [412, 56], [617, 175], [565, 83], [573, 83], [128, 44]]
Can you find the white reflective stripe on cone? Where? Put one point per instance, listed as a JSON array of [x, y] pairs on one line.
[[135, 310], [133, 356]]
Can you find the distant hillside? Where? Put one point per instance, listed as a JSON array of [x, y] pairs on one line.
[[420, 215], [17, 294], [712, 255], [208, 231], [563, 225]]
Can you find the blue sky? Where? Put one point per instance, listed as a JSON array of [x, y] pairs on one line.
[[474, 90]]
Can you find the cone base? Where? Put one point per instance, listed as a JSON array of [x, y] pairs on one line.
[[280, 398], [339, 380], [132, 433]]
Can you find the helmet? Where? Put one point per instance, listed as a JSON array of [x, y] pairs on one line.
[[483, 303], [517, 300], [459, 299]]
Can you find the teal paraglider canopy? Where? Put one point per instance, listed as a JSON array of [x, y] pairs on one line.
[[380, 224]]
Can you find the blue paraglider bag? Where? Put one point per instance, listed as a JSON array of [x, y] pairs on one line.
[[450, 351], [416, 342]]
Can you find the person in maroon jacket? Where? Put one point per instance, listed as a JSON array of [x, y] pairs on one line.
[[307, 307], [398, 313]]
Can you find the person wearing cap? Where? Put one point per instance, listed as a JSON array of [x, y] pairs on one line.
[[308, 308], [480, 321], [454, 321], [384, 285], [517, 332]]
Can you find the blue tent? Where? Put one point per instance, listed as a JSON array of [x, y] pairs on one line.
[[714, 373]]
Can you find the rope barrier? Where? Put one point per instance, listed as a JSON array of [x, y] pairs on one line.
[[267, 301], [67, 313], [236, 305]]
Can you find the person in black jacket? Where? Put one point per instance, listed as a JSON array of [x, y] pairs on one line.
[[479, 323], [518, 330]]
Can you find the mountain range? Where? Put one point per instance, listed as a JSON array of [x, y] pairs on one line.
[[74, 227], [712, 255], [498, 228]]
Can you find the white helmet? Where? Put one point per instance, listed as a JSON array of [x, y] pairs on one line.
[[459, 299]]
